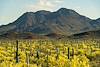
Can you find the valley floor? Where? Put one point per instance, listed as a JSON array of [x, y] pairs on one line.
[[50, 53]]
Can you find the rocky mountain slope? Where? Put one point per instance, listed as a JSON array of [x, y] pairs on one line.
[[62, 22]]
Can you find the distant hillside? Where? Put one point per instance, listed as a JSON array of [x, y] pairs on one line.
[[14, 35], [90, 34]]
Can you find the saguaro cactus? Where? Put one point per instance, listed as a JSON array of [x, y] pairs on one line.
[[57, 50], [37, 54], [72, 52], [68, 53], [47, 60], [17, 60], [38, 57], [27, 59]]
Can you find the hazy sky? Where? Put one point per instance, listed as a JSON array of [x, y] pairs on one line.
[[10, 10]]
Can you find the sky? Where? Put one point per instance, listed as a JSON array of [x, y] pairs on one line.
[[10, 10]]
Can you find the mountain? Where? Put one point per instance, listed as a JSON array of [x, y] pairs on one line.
[[62, 22]]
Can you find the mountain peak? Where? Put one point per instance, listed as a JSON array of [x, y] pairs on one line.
[[42, 12], [67, 12], [65, 9], [62, 9]]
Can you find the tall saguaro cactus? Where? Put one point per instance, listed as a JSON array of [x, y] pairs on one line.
[[47, 63], [57, 50], [73, 52], [68, 53], [17, 60], [37, 54], [38, 57], [27, 59]]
